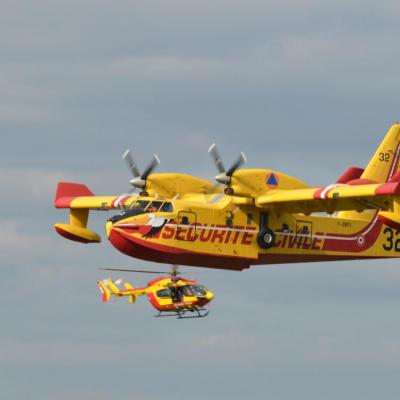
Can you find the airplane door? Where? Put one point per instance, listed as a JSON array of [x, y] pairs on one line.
[[186, 229], [304, 233]]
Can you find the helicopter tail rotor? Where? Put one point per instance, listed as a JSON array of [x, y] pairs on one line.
[[105, 291]]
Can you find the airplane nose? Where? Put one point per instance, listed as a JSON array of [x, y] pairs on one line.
[[209, 296]]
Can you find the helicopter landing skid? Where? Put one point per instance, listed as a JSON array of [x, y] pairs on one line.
[[201, 313]]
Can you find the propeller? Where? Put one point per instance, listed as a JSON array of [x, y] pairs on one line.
[[139, 180], [225, 176]]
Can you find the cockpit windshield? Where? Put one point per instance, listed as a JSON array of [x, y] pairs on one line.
[[194, 290], [153, 206], [139, 204], [138, 207]]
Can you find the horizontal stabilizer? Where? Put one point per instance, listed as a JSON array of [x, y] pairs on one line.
[[350, 174]]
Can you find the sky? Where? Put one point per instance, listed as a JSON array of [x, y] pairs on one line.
[[304, 87]]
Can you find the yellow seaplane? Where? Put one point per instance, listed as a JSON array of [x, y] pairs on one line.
[[261, 216]]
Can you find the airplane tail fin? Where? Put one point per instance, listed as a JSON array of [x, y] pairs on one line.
[[385, 162], [383, 167]]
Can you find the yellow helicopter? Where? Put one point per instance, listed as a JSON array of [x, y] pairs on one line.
[[171, 296], [261, 217]]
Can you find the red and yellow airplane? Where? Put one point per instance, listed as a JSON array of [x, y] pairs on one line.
[[262, 216], [169, 296]]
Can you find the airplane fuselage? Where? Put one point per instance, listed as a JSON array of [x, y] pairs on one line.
[[227, 236]]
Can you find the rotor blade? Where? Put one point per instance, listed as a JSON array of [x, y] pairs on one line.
[[134, 270], [214, 153], [238, 163], [174, 270], [151, 167], [131, 163]]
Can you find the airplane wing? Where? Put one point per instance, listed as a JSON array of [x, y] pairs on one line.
[[336, 197], [79, 196]]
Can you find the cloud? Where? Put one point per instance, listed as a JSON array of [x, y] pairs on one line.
[[164, 67], [34, 184], [55, 353], [29, 246], [227, 342]]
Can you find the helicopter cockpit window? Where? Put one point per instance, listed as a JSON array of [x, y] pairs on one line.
[[194, 290], [166, 207], [199, 290], [187, 290], [164, 293]]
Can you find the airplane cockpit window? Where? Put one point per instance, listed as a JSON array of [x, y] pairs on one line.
[[154, 206], [136, 208], [140, 204], [166, 207]]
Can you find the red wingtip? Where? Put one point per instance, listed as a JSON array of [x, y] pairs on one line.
[[68, 191]]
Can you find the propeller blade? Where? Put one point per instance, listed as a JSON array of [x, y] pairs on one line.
[[131, 163], [237, 164], [118, 281], [151, 167], [214, 153]]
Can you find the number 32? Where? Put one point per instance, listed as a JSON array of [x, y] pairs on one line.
[[392, 240]]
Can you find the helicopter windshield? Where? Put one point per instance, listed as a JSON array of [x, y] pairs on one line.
[[164, 293], [194, 290]]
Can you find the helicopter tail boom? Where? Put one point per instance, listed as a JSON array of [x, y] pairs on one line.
[[108, 288]]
